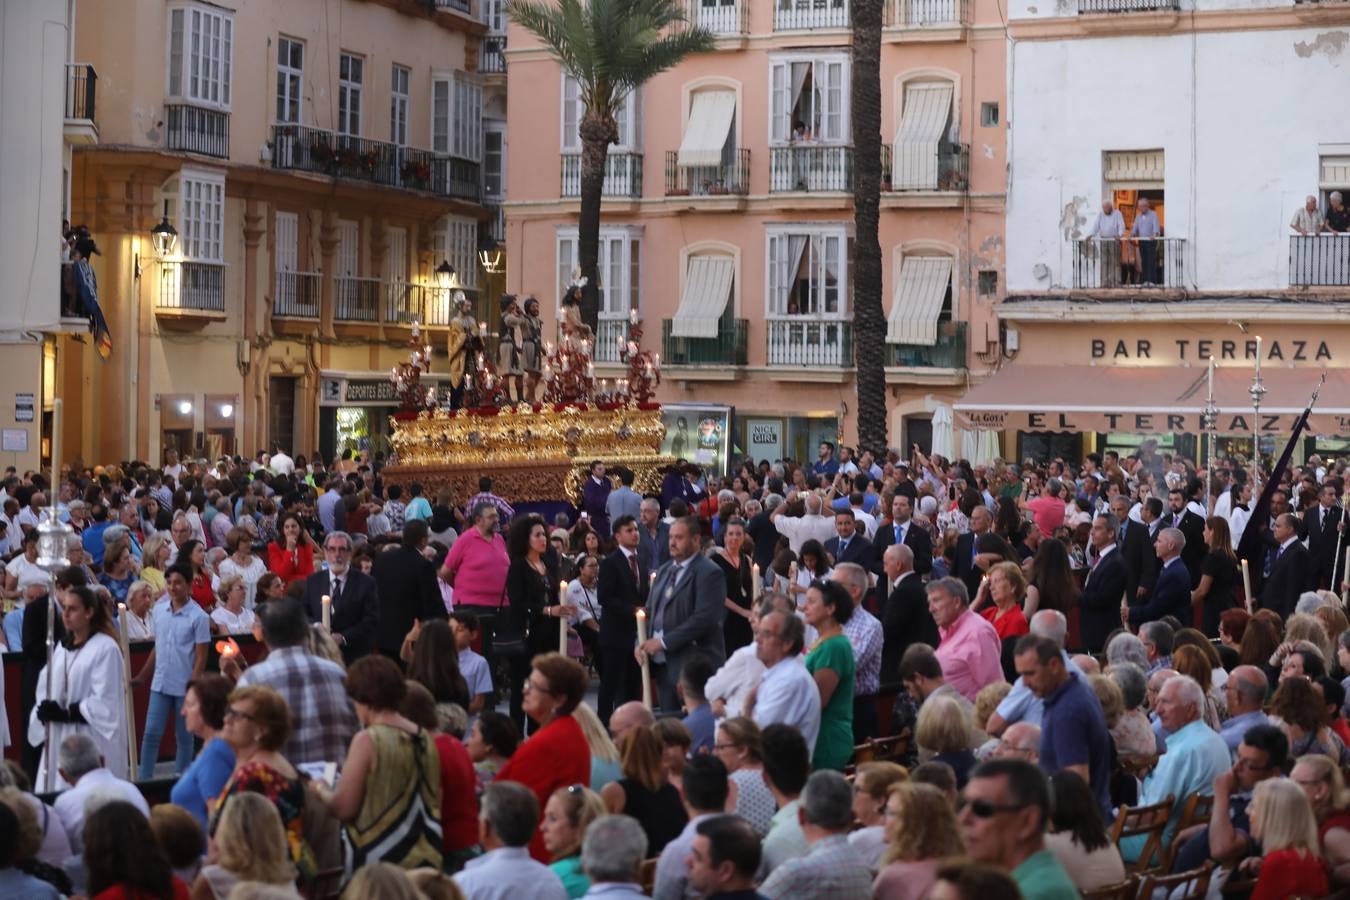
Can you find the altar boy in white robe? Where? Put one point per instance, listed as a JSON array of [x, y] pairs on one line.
[[88, 688]]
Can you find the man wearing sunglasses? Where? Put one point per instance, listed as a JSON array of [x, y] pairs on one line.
[[1003, 820]]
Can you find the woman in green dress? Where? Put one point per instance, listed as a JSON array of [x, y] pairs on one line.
[[567, 815], [830, 662]]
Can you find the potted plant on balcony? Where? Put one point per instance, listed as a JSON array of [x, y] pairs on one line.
[[416, 172], [369, 160], [348, 158], [320, 152]]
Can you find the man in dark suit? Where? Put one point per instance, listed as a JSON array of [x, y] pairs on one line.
[[1171, 595], [1134, 543], [654, 536], [762, 531], [1322, 525], [1193, 527], [901, 530], [622, 590], [905, 618], [355, 615], [405, 580], [963, 556], [686, 606], [1293, 571], [848, 545], [1099, 604]]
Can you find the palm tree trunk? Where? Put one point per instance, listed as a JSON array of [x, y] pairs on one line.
[[869, 322], [596, 136]]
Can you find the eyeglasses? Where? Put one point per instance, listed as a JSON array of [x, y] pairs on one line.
[[344, 549], [983, 809], [531, 686], [232, 713], [720, 747]]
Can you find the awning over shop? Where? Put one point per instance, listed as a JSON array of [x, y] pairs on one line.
[[709, 124], [914, 163], [919, 292], [707, 288], [1152, 400]]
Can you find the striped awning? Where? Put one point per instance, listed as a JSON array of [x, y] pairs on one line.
[[707, 288], [914, 162], [919, 292], [1139, 170], [709, 124]]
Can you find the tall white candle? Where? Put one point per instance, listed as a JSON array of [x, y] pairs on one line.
[[56, 450], [758, 584], [1247, 584], [646, 666], [562, 618], [327, 604]]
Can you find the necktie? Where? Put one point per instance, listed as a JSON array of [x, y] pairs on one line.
[[337, 590], [1121, 538], [843, 545], [632, 564]]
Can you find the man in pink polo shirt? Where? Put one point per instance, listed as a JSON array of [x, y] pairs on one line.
[[1047, 509], [477, 562], [969, 650]]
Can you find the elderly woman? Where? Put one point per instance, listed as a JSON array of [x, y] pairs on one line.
[[250, 846], [140, 600], [644, 792], [557, 754], [119, 571], [567, 815], [1007, 587], [943, 735], [243, 563], [1133, 734], [389, 798], [154, 560], [739, 748], [231, 616], [1321, 779], [830, 662], [921, 829], [204, 713], [871, 789]]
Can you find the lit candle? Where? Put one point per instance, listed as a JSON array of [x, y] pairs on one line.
[[1247, 584], [590, 370], [632, 316], [646, 666], [632, 348], [757, 584], [562, 618], [1211, 378], [482, 328], [1258, 356], [327, 603]]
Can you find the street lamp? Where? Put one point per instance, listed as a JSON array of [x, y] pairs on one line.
[[490, 254], [446, 277], [164, 236]]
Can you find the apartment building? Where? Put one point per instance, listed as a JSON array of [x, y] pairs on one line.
[[1222, 115], [727, 221], [323, 165]]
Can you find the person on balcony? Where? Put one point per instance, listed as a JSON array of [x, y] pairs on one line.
[[1308, 219], [1110, 226], [1146, 230], [1338, 215]]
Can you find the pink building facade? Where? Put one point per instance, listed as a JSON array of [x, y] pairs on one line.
[[728, 216]]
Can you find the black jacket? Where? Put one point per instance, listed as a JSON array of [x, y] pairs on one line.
[[963, 563], [355, 614], [1139, 560], [619, 599], [1099, 604], [1292, 574], [905, 620], [916, 539], [1322, 543], [406, 585], [859, 551]]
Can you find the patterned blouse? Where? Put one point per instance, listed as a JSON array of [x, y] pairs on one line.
[[288, 794]]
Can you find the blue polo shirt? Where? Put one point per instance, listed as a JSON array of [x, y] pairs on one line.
[[177, 634], [1073, 733]]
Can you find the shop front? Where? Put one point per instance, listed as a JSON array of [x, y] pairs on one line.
[[1073, 388], [354, 411]]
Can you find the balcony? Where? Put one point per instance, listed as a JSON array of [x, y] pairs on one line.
[[927, 13], [813, 343], [609, 337], [810, 168], [623, 175], [304, 149], [496, 222], [1098, 7], [492, 54], [462, 6], [721, 17], [1118, 263], [195, 129], [192, 287], [81, 82], [948, 353], [404, 303], [297, 295], [727, 349], [1321, 260], [707, 181], [356, 299], [803, 15], [950, 172]]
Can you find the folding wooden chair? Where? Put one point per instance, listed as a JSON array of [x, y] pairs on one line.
[[1149, 821], [1190, 885], [1125, 890], [1195, 812], [647, 875]]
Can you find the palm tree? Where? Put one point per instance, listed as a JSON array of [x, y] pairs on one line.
[[610, 47], [869, 323]]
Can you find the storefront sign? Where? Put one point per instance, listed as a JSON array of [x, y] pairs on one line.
[[698, 434], [370, 392], [764, 438], [1230, 423], [1192, 350]]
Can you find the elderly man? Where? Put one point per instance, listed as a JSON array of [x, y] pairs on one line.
[[1307, 219], [905, 618], [962, 556], [864, 634], [1171, 595], [1146, 230], [611, 854], [354, 606], [1021, 740], [1338, 214], [1293, 571], [507, 819], [1003, 823], [811, 526], [1195, 756], [1022, 703], [653, 535], [90, 782], [970, 649], [831, 868], [1073, 729], [633, 714], [787, 693], [1245, 692], [1157, 639]]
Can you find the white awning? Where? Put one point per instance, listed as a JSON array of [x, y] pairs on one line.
[[707, 288], [1335, 172], [919, 292], [1140, 170], [914, 161], [709, 124]]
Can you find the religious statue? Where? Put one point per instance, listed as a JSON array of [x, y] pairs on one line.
[[510, 345], [462, 346]]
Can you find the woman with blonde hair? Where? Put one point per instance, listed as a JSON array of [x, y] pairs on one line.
[[943, 735], [1333, 620], [381, 880], [154, 560], [1320, 779], [249, 845], [605, 766], [644, 792], [1305, 627], [920, 830], [1282, 821], [567, 815], [871, 787]]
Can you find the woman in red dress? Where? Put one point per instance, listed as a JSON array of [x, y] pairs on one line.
[[1282, 820], [1007, 587]]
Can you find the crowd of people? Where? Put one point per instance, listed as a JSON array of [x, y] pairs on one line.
[[1019, 653]]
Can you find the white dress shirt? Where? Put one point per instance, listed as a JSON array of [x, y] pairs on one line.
[[508, 873], [103, 783], [788, 694]]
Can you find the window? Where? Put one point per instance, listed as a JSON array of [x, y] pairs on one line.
[[457, 116], [350, 74], [618, 265], [200, 42], [988, 114], [456, 241], [290, 78], [494, 17], [628, 116], [810, 99], [494, 157], [808, 271], [398, 106], [988, 283], [196, 201]]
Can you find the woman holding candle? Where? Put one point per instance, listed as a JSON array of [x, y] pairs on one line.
[[533, 599], [735, 566]]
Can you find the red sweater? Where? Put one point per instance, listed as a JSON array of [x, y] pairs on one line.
[[556, 756], [122, 892], [459, 804], [279, 561], [1291, 873]]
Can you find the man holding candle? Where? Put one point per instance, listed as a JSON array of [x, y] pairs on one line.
[[355, 607], [621, 590]]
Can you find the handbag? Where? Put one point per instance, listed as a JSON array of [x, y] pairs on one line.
[[507, 642]]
